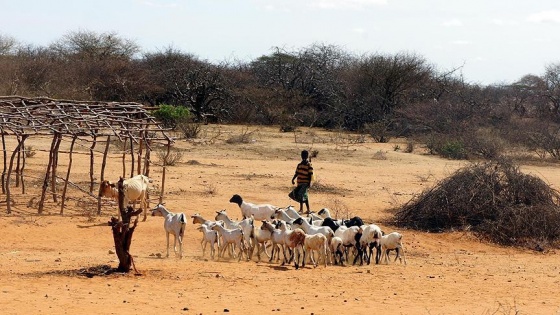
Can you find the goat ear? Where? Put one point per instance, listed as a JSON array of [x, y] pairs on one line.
[[112, 184]]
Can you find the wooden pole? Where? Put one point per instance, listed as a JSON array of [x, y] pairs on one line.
[[147, 159], [91, 161], [163, 173], [55, 167], [5, 162], [18, 165], [67, 175], [124, 158], [103, 163], [140, 148], [132, 156], [47, 173], [24, 159], [8, 193]]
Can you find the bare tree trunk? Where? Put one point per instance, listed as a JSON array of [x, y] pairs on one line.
[[122, 232]]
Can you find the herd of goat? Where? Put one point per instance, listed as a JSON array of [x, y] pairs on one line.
[[283, 229], [287, 233]]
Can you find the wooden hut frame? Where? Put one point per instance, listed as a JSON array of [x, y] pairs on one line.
[[92, 122]]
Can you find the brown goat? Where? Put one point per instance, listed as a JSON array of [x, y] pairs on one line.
[[295, 240]]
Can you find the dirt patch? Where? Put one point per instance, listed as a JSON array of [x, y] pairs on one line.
[[45, 259]]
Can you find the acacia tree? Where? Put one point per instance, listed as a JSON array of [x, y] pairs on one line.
[[551, 90], [98, 66], [306, 82], [9, 80], [182, 79], [377, 85]]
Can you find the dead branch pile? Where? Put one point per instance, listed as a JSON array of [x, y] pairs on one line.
[[494, 200]]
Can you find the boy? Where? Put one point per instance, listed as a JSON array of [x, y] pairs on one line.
[[304, 172]]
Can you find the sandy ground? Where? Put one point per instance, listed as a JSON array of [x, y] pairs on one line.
[[41, 256]]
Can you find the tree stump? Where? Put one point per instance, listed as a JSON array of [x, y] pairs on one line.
[[123, 230]]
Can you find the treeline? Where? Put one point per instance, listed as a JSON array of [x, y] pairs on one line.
[[320, 85]]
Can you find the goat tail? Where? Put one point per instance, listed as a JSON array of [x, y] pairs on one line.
[[183, 227], [183, 218]]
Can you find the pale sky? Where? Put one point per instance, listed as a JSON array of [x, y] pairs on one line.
[[496, 41]]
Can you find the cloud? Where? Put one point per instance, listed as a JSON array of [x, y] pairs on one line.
[[545, 16], [345, 4], [358, 30], [160, 4], [461, 42], [453, 22], [501, 22], [320, 4]]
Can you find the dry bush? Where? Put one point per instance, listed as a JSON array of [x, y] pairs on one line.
[[494, 200], [409, 146], [29, 151], [380, 155], [245, 136], [189, 130], [313, 154], [338, 209], [210, 189], [320, 187], [175, 156]]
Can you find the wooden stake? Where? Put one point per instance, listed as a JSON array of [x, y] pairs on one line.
[[67, 175], [103, 163]]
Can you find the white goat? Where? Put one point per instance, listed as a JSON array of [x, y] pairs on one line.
[[347, 236], [291, 211], [281, 214], [312, 229], [174, 223], [246, 225], [209, 236], [259, 212], [315, 243], [277, 238], [392, 241], [230, 236], [262, 236], [135, 189], [337, 250], [370, 240], [315, 219], [198, 219]]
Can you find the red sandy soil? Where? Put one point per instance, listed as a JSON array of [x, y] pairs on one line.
[[43, 257]]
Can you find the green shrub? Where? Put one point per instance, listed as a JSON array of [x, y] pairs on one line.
[[170, 116], [453, 149]]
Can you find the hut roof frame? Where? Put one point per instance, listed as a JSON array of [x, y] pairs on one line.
[[83, 119]]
